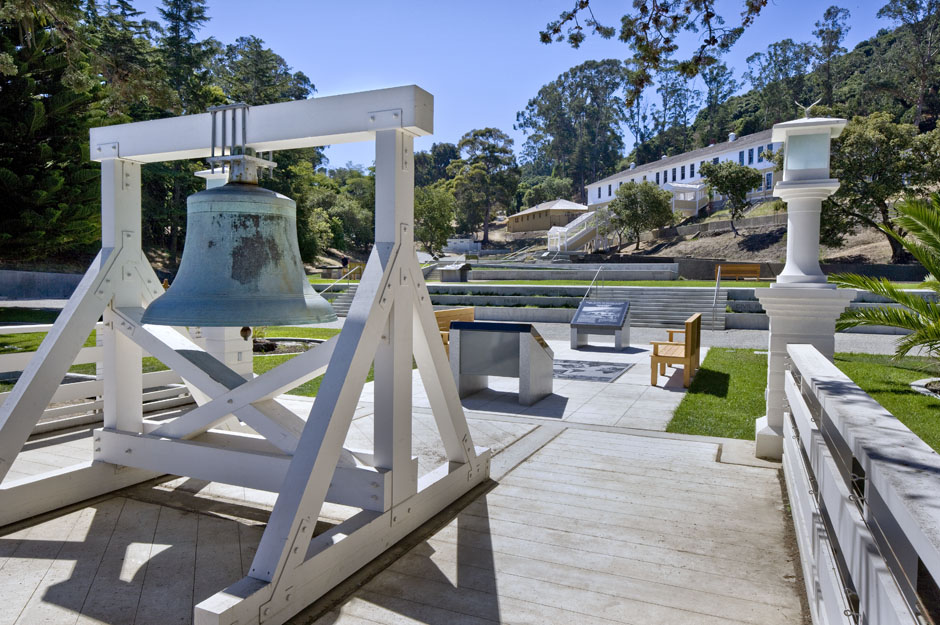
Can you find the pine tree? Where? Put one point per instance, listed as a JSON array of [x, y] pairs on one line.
[[50, 189]]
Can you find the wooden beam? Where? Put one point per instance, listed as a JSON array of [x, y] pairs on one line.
[[267, 417], [360, 487], [283, 126], [285, 376], [41, 377]]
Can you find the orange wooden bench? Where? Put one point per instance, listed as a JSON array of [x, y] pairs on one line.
[[444, 317], [735, 271], [673, 353]]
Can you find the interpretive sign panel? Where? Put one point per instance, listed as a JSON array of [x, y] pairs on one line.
[[600, 314]]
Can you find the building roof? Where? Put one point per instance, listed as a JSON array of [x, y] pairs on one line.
[[758, 138], [684, 186], [552, 205]]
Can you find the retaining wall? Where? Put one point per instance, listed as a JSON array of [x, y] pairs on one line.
[[37, 284]]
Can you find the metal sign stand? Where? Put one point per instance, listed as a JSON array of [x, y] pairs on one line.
[[391, 320]]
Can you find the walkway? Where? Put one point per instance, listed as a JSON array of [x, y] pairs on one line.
[[594, 516]]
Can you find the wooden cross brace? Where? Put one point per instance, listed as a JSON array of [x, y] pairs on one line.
[[390, 321]]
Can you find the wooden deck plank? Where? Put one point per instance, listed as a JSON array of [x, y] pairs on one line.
[[552, 556], [60, 596], [167, 594], [218, 560], [115, 590], [24, 571]]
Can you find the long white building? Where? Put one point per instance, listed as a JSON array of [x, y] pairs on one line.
[[681, 174]]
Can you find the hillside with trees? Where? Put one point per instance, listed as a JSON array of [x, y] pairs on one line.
[[68, 65]]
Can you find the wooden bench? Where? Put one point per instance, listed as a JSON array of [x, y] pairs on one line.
[[674, 353], [735, 271], [444, 317]]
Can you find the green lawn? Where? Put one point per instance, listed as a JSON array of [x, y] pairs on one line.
[[315, 280], [888, 382], [727, 393], [11, 343]]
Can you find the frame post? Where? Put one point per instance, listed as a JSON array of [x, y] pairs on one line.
[[394, 222], [120, 228]]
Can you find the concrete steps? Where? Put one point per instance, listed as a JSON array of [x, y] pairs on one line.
[[342, 301], [654, 307]]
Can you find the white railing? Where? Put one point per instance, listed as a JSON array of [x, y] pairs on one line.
[[564, 238], [80, 402], [865, 498]]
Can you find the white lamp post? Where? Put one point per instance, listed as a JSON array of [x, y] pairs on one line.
[[801, 305]]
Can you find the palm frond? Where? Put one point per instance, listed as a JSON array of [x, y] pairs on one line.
[[927, 338], [887, 289], [882, 316]]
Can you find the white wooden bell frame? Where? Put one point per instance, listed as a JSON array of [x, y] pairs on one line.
[[390, 320]]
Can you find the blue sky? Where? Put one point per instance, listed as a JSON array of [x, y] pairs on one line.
[[481, 59]]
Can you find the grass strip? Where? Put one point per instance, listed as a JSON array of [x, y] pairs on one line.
[[727, 393], [888, 381], [725, 397]]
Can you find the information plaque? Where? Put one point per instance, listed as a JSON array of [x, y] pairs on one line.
[[601, 317], [600, 314]]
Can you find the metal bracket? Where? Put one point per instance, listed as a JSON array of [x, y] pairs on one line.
[[107, 150], [384, 120]]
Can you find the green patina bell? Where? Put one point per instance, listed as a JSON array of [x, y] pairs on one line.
[[241, 263]]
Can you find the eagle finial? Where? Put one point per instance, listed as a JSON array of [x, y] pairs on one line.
[[807, 108]]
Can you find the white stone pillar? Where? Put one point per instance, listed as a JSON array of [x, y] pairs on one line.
[[801, 305], [797, 315]]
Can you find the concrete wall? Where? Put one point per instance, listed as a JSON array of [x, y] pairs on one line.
[[37, 284], [663, 271]]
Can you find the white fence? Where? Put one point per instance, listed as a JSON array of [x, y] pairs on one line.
[[80, 402], [865, 498]]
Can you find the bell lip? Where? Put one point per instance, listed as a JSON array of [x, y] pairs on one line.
[[207, 311]]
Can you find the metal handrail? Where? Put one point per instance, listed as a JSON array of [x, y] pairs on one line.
[[715, 299], [340, 279], [588, 292]]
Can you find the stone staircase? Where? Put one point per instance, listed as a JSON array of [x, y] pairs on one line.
[[663, 307], [343, 300], [653, 307], [434, 276]]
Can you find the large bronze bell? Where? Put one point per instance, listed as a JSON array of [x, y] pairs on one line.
[[241, 264]]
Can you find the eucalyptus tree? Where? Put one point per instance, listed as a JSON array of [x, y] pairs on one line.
[[830, 32], [920, 39], [779, 76], [431, 166], [484, 180], [651, 31], [715, 118], [574, 123]]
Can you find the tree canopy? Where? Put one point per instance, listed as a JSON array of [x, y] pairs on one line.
[[733, 181], [637, 207]]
